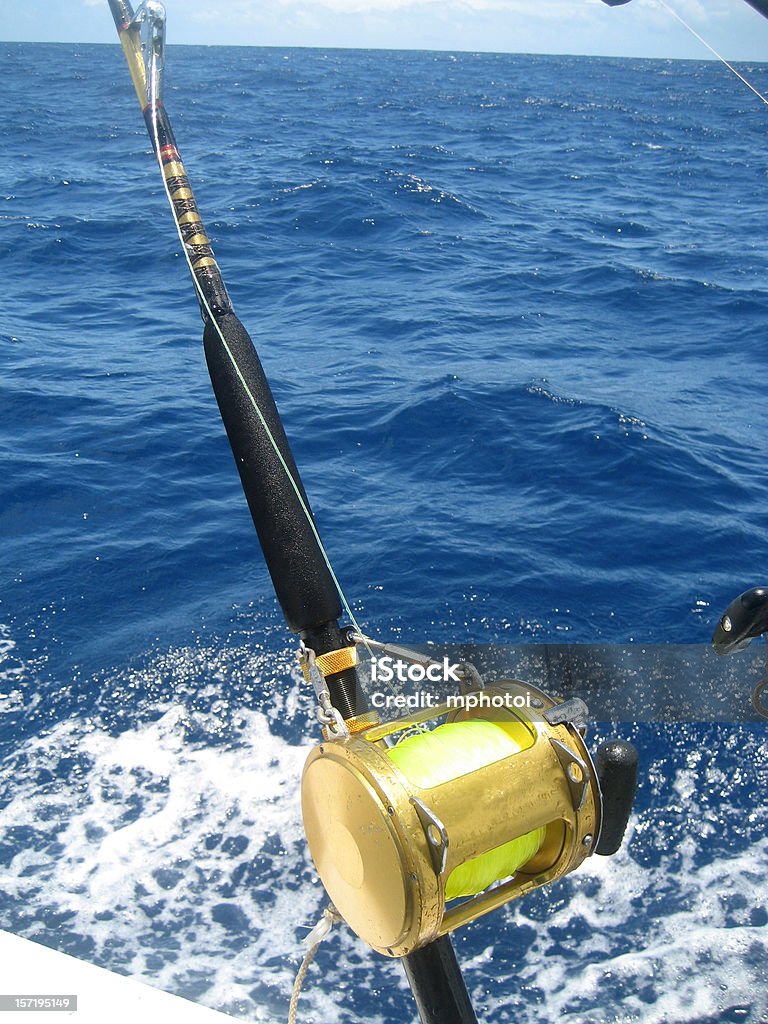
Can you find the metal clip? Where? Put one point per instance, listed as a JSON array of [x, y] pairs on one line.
[[571, 712], [576, 772], [436, 834], [334, 727]]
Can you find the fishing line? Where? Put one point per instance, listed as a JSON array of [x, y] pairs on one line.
[[712, 50], [154, 100], [434, 758]]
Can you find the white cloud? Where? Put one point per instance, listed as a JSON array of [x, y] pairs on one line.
[[549, 9], [563, 11]]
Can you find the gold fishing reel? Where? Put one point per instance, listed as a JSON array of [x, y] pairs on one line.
[[425, 823]]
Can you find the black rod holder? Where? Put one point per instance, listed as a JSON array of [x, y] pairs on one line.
[[434, 975]]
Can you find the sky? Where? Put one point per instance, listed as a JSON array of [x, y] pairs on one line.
[[642, 28]]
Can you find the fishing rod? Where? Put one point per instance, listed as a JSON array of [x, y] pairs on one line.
[[301, 573], [761, 6], [424, 823]]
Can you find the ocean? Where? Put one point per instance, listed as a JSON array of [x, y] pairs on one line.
[[513, 310]]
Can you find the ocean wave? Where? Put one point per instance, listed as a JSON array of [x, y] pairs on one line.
[[170, 849]]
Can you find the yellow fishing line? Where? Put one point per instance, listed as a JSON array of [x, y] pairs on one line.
[[456, 748]]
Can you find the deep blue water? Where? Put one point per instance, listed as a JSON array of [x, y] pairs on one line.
[[513, 309]]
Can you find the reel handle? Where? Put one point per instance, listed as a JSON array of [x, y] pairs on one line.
[[616, 765]]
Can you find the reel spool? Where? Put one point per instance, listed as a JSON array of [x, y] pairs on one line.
[[414, 839]]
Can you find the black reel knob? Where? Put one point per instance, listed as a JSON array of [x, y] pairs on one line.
[[616, 765], [745, 618]]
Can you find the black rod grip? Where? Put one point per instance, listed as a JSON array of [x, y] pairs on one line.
[[617, 772], [302, 581], [434, 975]]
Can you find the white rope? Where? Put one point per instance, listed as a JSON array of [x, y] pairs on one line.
[[329, 917], [711, 49], [297, 985]]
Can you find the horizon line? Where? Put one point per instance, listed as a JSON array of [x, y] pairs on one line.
[[394, 49]]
